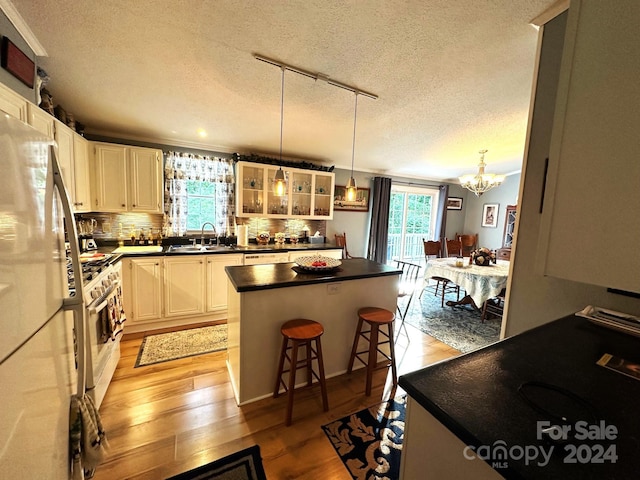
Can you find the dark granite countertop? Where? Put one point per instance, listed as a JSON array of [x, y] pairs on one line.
[[251, 248], [279, 275], [476, 396]]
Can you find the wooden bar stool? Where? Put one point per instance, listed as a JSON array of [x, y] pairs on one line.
[[300, 332], [375, 318]]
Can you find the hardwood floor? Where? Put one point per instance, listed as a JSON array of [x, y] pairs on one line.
[[170, 417]]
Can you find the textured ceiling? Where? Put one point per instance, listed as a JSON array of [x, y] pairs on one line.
[[452, 76]]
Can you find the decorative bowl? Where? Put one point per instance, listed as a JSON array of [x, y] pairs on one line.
[[317, 263]]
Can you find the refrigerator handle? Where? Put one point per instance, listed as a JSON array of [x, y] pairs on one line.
[[72, 303]]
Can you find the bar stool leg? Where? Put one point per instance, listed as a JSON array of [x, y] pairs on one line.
[[292, 381], [307, 346], [354, 350], [373, 357], [323, 382], [392, 354], [283, 352]]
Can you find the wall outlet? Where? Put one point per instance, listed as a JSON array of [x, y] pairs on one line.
[[333, 288]]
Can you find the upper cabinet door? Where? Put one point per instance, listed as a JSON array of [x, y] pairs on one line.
[[145, 167], [110, 178], [592, 197], [64, 140], [250, 184], [82, 177], [41, 120], [13, 104]]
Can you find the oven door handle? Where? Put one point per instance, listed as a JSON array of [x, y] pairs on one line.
[[102, 301]]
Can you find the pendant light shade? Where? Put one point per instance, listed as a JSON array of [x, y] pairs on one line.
[[352, 188], [279, 182]]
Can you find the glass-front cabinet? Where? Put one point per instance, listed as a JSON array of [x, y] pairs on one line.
[[309, 193]]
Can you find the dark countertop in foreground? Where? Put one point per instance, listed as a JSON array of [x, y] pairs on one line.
[[279, 275], [476, 397]]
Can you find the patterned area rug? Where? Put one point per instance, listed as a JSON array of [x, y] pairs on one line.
[[184, 343], [243, 465], [458, 327], [369, 442]]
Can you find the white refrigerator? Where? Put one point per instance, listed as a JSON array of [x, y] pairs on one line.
[[39, 367]]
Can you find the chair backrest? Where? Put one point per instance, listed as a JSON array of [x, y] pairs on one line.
[[431, 248], [454, 248], [409, 277], [469, 243], [341, 241]]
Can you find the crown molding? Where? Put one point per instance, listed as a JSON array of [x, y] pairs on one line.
[[23, 29]]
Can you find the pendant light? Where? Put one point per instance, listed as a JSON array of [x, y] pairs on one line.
[[279, 183], [352, 189]]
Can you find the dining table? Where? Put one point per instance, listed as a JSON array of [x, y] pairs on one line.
[[480, 283]]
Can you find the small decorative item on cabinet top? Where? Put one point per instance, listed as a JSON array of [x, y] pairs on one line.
[[482, 257]]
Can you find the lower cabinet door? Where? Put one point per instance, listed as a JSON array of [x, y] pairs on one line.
[[184, 292], [143, 288], [217, 280]]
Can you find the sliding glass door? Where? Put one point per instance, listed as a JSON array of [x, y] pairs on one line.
[[412, 217]]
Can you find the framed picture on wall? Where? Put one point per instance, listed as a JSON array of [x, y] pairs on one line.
[[490, 215], [454, 203], [360, 204]]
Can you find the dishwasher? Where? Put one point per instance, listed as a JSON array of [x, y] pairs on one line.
[[262, 258]]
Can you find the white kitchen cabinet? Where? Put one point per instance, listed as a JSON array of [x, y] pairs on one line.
[[142, 282], [110, 178], [127, 179], [64, 141], [337, 254], [82, 176], [146, 174], [592, 197], [309, 193], [13, 104], [217, 280], [40, 120], [184, 285]]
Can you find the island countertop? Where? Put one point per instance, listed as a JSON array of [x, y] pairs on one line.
[[501, 392], [279, 275]]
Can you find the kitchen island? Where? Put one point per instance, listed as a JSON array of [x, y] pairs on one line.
[[262, 297], [497, 401]]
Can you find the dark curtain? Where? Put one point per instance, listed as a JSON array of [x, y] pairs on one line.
[[441, 219], [379, 230]]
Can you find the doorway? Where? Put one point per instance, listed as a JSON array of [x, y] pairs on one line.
[[412, 217]]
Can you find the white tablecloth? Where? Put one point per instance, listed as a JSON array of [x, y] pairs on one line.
[[480, 283]]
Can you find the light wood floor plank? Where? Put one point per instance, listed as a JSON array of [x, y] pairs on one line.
[[170, 417]]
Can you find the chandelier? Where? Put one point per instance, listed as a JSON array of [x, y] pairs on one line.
[[481, 182]]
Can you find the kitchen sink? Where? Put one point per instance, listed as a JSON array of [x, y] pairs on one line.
[[196, 248]]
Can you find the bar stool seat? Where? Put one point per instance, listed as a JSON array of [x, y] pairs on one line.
[[297, 333], [375, 318]]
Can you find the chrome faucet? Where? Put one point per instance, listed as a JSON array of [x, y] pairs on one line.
[[202, 232]]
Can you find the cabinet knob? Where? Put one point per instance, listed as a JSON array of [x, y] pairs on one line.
[[123, 205], [157, 264]]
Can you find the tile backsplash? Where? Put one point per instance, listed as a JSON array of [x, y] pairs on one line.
[[108, 224]]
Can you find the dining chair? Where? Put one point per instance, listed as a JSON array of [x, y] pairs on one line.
[[469, 243], [494, 307], [454, 248], [341, 241], [444, 285], [406, 289]]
